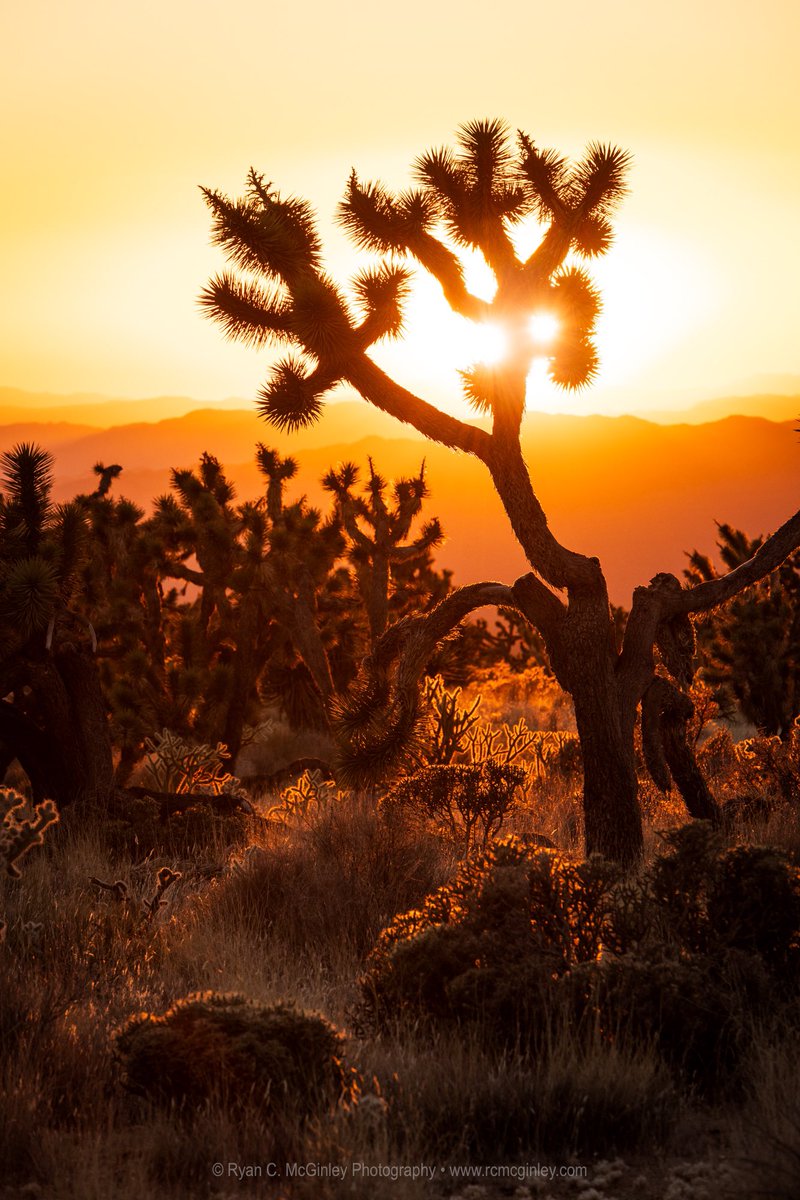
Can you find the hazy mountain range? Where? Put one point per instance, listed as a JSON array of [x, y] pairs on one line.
[[637, 493]]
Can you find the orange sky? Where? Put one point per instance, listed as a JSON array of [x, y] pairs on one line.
[[113, 114]]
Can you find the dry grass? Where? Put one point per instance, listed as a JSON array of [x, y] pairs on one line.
[[292, 918]]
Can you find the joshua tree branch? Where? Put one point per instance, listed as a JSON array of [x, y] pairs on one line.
[[769, 556], [666, 712], [378, 720], [560, 567], [173, 570], [442, 264], [379, 389], [425, 632]]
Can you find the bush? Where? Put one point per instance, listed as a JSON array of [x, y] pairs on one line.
[[682, 958], [464, 797], [694, 1009], [232, 1050], [712, 899], [136, 827], [488, 945]]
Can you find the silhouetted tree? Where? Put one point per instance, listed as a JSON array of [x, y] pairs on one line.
[[378, 534], [750, 649], [269, 607], [120, 592], [472, 197], [53, 715], [106, 475]]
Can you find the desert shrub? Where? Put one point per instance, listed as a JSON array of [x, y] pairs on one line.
[[684, 957], [466, 798], [712, 899], [694, 1009], [756, 774], [557, 752], [474, 773], [532, 693], [136, 827], [772, 764], [487, 946], [228, 1049]]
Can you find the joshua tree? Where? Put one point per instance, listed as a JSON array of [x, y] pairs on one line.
[[260, 568], [473, 197], [52, 717], [378, 534], [750, 649]]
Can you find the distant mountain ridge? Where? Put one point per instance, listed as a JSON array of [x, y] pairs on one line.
[[636, 493], [780, 403], [772, 406]]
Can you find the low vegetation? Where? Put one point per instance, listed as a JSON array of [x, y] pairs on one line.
[[346, 980]]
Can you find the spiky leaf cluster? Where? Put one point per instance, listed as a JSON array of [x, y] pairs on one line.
[[381, 293], [289, 399]]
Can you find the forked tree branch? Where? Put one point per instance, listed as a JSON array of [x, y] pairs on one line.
[[663, 601]]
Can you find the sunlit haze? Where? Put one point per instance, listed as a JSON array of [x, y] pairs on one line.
[[115, 115]]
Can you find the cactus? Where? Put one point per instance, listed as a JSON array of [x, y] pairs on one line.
[[452, 721], [310, 795], [21, 829], [173, 765]]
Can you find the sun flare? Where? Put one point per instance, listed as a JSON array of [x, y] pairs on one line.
[[544, 329], [643, 317], [489, 344]]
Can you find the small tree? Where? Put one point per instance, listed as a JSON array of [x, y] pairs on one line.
[[378, 534], [53, 716], [260, 568], [750, 649], [472, 197]]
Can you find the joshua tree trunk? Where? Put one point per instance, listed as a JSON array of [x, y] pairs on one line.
[[66, 751], [248, 663], [71, 701]]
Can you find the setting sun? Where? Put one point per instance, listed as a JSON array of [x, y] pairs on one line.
[[544, 329]]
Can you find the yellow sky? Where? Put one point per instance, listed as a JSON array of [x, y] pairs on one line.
[[113, 114]]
